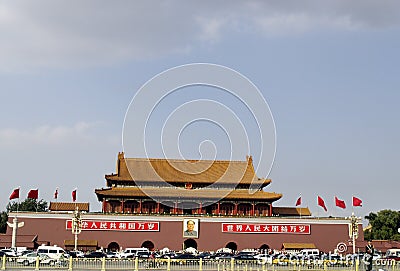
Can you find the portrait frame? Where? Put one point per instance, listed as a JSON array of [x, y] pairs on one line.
[[188, 233]]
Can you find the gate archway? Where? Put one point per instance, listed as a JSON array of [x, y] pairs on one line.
[[190, 243], [232, 245], [148, 244], [113, 246]]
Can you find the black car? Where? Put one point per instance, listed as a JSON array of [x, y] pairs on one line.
[[96, 254]]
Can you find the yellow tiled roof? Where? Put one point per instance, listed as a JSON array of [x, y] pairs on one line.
[[298, 245], [291, 211], [69, 206], [185, 171]]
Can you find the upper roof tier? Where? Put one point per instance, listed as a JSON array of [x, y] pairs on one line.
[[175, 171]]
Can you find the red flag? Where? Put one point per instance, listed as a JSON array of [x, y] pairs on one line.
[[357, 202], [33, 194], [298, 201], [340, 203], [56, 194], [74, 195], [15, 194], [321, 203]]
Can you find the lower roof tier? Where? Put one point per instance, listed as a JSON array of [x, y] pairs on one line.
[[180, 193]]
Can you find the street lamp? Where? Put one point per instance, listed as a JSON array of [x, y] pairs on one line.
[[76, 226], [353, 230]]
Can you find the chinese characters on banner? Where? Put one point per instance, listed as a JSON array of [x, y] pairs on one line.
[[266, 228], [91, 225]]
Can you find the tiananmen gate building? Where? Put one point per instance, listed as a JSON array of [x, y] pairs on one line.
[[150, 202]]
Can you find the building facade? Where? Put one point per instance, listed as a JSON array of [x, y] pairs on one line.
[[152, 202]]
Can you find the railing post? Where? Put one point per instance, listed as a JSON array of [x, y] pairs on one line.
[[201, 264], [169, 264], [232, 264], [357, 264], [136, 264], [3, 264], [103, 264], [37, 263], [70, 263]]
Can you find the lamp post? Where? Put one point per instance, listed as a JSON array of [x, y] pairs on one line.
[[15, 225], [76, 226], [353, 230]]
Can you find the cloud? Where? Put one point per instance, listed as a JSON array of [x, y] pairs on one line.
[[46, 135], [48, 34]]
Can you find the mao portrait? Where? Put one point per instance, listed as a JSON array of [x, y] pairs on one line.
[[191, 228]]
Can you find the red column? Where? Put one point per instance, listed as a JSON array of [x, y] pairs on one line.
[[218, 210], [200, 209], [236, 209], [270, 210], [140, 206], [158, 208], [123, 206], [253, 211]]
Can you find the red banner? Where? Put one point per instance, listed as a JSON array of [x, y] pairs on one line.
[[266, 228], [92, 225]]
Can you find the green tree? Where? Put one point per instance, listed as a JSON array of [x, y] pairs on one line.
[[28, 205], [3, 221], [384, 225]]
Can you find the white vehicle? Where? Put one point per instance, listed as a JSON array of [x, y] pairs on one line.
[[309, 253], [393, 252], [264, 258], [30, 258], [132, 252], [53, 252], [9, 252]]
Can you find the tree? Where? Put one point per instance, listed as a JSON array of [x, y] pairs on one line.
[[3, 222], [28, 205], [384, 225]]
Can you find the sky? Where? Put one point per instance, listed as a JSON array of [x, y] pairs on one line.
[[328, 72]]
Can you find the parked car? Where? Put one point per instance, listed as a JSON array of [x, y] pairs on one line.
[[96, 254], [9, 252], [143, 254], [222, 255], [76, 254], [245, 257], [264, 258], [205, 255], [185, 258], [30, 258], [112, 254]]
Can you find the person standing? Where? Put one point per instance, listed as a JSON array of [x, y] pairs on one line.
[[369, 250]]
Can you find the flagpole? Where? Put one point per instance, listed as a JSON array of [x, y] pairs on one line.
[[301, 202], [18, 201], [37, 200], [56, 199]]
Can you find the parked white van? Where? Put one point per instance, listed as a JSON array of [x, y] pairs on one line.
[[130, 252], [53, 252]]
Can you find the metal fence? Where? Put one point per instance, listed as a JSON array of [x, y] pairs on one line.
[[106, 264]]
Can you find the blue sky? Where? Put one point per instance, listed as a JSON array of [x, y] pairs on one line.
[[329, 72]]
